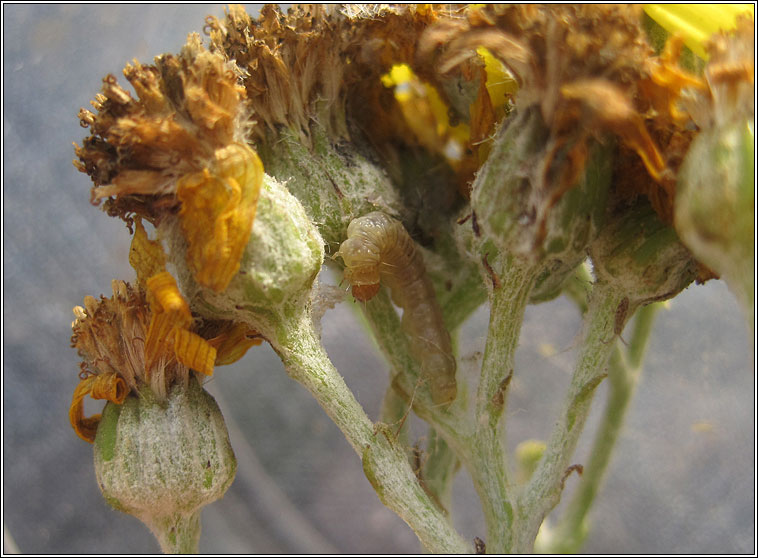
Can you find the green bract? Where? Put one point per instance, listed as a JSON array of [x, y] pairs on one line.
[[331, 178], [715, 205], [163, 462], [640, 257], [278, 268], [513, 199]]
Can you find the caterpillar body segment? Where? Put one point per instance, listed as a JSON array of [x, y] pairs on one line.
[[379, 250]]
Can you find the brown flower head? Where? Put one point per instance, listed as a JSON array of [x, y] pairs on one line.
[[181, 145], [146, 336]]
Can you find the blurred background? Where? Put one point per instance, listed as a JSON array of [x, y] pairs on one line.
[[682, 480]]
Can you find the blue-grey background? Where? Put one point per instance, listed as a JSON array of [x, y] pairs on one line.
[[682, 480]]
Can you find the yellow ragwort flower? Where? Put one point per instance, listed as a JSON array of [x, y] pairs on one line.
[[697, 23]]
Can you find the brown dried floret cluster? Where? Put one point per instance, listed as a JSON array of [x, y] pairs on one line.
[[181, 146], [146, 336], [584, 67], [318, 61], [188, 106]]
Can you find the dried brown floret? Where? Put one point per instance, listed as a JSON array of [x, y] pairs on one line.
[[310, 62], [187, 107], [582, 65]]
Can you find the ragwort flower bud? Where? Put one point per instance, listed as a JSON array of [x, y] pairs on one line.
[[538, 201], [278, 267], [163, 461], [641, 257], [715, 206]]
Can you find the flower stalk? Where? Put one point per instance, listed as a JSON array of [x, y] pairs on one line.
[[384, 460], [624, 371], [545, 486]]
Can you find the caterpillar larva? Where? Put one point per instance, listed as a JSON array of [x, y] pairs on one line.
[[379, 249]]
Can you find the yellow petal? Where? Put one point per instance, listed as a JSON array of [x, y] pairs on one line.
[[500, 83], [218, 208], [194, 352], [696, 22], [145, 256]]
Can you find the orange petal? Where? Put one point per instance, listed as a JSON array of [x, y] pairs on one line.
[[232, 344], [218, 208], [163, 287], [145, 256], [101, 386], [159, 337], [194, 352]]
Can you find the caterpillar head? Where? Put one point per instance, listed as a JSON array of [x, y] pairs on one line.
[[361, 267]]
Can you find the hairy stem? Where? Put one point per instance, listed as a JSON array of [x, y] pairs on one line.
[[384, 460], [487, 462], [177, 533], [623, 377], [544, 489], [439, 468]]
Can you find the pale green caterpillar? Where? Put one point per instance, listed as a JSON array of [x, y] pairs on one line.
[[379, 249]]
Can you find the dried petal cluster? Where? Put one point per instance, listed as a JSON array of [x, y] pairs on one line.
[[180, 146], [145, 336]]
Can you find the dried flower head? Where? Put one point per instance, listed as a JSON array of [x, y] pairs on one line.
[[145, 336], [181, 146]]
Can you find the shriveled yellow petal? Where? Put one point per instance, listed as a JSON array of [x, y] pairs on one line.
[[427, 114], [108, 386], [166, 292], [500, 83], [231, 345], [145, 256], [159, 340], [218, 209], [194, 352]]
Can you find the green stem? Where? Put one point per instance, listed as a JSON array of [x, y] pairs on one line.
[[544, 489], [394, 413], [439, 469], [384, 460], [479, 445], [623, 377], [177, 533], [487, 462]]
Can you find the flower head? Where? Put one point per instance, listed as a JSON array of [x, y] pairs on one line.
[[180, 146], [145, 336]]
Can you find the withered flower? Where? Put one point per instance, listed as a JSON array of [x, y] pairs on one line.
[[143, 337], [180, 146]]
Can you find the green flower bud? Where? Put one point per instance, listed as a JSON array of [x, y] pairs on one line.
[[333, 181], [515, 195], [641, 257], [162, 462], [715, 205], [278, 268]]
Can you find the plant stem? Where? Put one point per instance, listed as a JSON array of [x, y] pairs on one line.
[[384, 460], [544, 489], [623, 377], [479, 446], [177, 533], [440, 468], [486, 462]]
